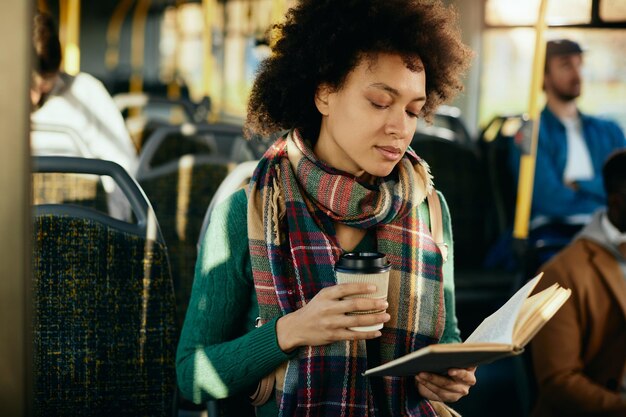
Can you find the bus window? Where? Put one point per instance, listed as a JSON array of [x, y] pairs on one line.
[[510, 12], [507, 55], [613, 10]]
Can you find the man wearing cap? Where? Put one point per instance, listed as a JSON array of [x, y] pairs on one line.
[[571, 150]]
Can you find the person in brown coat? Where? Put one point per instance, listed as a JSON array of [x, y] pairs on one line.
[[579, 357]]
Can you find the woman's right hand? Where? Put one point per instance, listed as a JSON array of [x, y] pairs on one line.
[[323, 320]]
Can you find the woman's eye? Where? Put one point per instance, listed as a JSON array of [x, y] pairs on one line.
[[378, 106], [411, 114]]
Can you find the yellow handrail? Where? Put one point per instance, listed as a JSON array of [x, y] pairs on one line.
[[137, 44], [69, 13], [42, 6], [209, 9], [527, 161], [114, 30], [279, 7]]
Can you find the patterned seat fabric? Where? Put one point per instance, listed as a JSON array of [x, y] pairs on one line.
[[176, 145], [105, 333], [60, 188], [180, 199], [459, 174]]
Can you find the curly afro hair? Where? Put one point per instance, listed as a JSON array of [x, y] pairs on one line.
[[322, 41]]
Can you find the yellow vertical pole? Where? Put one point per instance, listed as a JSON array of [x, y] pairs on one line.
[[63, 22], [279, 7], [69, 11], [278, 10], [209, 10], [137, 45], [527, 162], [42, 6], [173, 88], [114, 31]]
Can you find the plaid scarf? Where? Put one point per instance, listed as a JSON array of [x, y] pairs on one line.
[[293, 201]]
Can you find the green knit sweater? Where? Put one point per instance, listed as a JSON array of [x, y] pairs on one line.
[[221, 355]]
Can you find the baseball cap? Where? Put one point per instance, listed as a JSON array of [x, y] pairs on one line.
[[562, 47]]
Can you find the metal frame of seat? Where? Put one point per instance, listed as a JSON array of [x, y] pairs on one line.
[[138, 201], [191, 131]]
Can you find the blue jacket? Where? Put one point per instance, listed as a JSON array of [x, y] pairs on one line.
[[551, 197]]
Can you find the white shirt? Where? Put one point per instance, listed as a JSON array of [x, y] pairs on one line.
[[579, 166], [82, 104]]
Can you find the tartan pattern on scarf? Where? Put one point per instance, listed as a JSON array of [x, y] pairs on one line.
[[293, 201]]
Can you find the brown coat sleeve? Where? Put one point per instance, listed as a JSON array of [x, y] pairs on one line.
[[557, 349]]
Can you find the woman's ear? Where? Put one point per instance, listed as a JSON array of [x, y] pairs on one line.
[[321, 98]]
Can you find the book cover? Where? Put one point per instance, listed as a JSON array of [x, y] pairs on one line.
[[502, 334]]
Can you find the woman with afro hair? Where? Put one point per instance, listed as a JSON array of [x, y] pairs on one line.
[[347, 81]]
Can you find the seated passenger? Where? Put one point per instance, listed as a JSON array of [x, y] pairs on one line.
[[80, 103], [571, 150], [348, 80], [580, 355]]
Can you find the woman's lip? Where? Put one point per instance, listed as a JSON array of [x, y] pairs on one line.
[[390, 153]]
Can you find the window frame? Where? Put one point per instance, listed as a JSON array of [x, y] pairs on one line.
[[595, 23]]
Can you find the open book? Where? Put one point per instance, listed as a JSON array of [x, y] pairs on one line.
[[504, 333]]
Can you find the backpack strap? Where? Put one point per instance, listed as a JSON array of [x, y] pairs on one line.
[[436, 222]]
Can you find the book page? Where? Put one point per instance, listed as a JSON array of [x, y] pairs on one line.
[[535, 322], [533, 304], [498, 327]]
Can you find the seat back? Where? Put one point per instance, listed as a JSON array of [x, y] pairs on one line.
[[458, 174], [77, 189], [496, 142], [105, 334], [239, 176], [168, 143], [180, 192]]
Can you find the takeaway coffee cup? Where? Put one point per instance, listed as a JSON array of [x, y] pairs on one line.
[[365, 267]]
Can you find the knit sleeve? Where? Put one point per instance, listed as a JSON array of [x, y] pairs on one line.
[[217, 357], [451, 333]]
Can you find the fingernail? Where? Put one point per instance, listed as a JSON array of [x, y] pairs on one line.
[[378, 334]]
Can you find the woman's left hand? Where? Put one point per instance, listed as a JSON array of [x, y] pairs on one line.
[[446, 388]]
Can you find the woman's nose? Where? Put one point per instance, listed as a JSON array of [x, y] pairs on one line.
[[399, 124]]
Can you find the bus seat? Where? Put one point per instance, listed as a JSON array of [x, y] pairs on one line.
[[180, 192], [62, 188], [168, 143], [457, 173], [238, 177], [495, 143], [502, 389], [105, 333]]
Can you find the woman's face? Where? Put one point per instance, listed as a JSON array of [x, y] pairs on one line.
[[368, 124]]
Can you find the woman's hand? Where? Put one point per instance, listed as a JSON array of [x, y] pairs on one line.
[[446, 388], [323, 320]]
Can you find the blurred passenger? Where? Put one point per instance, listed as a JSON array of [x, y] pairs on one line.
[[80, 103], [571, 150], [348, 80], [580, 355]]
